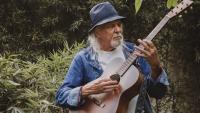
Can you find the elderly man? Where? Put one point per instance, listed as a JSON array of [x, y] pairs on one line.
[[106, 44]]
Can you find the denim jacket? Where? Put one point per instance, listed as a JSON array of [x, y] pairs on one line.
[[85, 68]]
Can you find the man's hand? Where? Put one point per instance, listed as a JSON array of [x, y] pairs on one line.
[[104, 85], [149, 51]]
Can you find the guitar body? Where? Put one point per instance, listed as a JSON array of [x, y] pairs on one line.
[[117, 101]]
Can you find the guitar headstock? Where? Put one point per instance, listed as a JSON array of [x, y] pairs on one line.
[[180, 7]]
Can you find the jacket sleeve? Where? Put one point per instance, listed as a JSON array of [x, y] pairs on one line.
[[158, 88], [69, 93], [155, 88]]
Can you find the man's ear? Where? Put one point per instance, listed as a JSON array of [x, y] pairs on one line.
[[96, 31]]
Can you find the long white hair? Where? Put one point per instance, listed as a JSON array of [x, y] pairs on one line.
[[93, 42]]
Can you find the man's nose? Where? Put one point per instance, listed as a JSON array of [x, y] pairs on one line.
[[117, 29]]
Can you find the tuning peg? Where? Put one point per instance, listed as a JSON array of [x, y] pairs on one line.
[[180, 16], [182, 3], [191, 8], [185, 11]]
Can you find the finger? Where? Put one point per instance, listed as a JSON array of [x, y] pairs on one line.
[[94, 91], [111, 87], [153, 49], [102, 80], [107, 83], [118, 89], [142, 51], [144, 44], [101, 90], [115, 88], [139, 54], [108, 90], [149, 43]]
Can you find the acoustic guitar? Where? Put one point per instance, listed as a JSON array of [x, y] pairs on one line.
[[126, 74]]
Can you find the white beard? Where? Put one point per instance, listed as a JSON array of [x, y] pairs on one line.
[[114, 42]]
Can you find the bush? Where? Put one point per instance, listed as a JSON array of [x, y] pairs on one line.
[[30, 87]]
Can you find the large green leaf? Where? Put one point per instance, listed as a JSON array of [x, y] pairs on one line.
[[138, 4], [171, 3]]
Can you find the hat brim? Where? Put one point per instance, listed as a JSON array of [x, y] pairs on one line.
[[106, 21]]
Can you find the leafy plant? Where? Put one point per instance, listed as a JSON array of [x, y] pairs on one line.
[[31, 87]]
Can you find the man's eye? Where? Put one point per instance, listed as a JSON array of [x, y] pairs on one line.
[[112, 25], [119, 24]]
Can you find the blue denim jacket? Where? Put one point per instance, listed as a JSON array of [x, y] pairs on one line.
[[85, 68]]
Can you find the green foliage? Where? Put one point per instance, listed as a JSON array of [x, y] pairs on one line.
[[30, 87], [171, 3], [39, 26], [138, 4]]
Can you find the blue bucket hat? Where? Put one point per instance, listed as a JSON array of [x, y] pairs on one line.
[[102, 13]]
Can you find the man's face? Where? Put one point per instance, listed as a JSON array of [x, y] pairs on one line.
[[109, 35]]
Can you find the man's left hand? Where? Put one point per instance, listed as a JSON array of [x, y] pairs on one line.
[[149, 51]]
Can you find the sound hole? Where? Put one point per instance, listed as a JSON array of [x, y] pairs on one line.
[[115, 77]]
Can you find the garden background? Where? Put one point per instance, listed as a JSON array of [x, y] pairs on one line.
[[38, 39]]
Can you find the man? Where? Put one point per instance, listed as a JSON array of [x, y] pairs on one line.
[[106, 44]]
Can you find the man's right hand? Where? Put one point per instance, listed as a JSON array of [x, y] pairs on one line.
[[104, 85]]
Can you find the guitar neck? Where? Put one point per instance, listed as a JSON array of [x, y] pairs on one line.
[[157, 28], [125, 66]]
